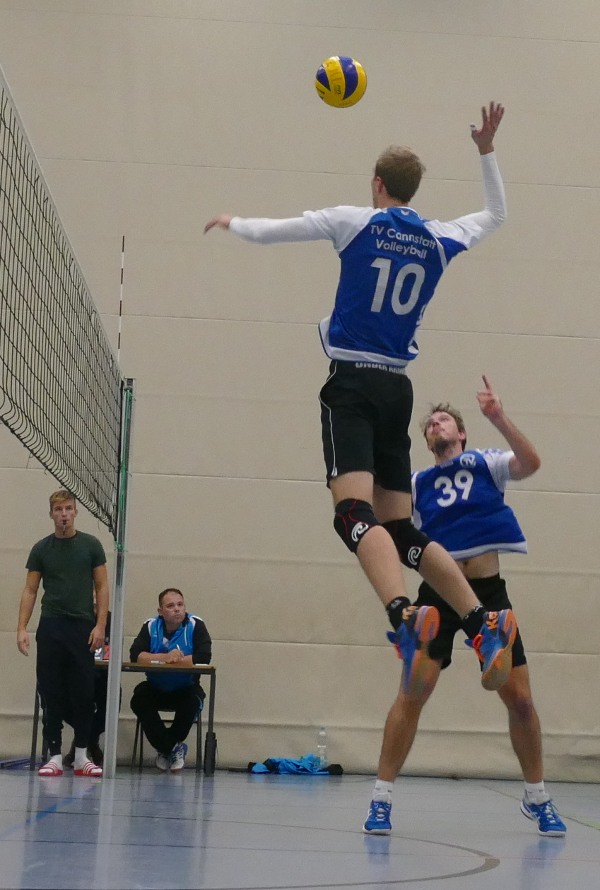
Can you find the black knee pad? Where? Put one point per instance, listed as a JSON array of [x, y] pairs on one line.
[[410, 542], [352, 520]]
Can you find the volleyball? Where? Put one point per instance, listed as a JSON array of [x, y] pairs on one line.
[[341, 81]]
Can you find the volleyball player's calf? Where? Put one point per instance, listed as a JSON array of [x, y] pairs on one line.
[[492, 633], [413, 628]]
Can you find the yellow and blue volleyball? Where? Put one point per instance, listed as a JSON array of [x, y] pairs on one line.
[[341, 81]]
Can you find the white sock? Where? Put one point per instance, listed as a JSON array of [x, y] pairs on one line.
[[57, 759], [536, 793], [81, 758], [383, 791]]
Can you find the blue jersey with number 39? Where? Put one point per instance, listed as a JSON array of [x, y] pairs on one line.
[[460, 504]]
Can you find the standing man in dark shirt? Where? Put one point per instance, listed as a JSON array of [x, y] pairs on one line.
[[72, 566], [178, 638]]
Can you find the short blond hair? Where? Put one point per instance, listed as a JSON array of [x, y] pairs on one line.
[[57, 497]]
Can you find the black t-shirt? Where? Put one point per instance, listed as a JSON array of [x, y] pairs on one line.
[[66, 566]]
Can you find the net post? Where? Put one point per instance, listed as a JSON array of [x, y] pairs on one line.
[[116, 632]]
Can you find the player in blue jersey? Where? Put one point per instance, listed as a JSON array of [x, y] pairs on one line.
[[459, 502], [391, 261]]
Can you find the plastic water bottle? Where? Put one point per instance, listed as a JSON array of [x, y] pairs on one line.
[[322, 748]]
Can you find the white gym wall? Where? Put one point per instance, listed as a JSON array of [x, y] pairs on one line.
[[150, 116]]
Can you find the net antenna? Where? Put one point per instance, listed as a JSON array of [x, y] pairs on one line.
[[61, 390], [121, 299]]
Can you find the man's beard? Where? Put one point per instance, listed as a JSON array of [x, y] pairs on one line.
[[440, 446]]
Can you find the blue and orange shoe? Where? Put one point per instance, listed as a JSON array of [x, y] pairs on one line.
[[419, 627], [493, 645]]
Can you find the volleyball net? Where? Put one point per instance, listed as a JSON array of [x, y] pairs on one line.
[[60, 384]]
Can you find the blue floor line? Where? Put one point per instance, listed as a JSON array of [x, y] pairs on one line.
[[37, 817]]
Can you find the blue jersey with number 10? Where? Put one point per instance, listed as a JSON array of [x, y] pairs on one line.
[[389, 273], [391, 261]]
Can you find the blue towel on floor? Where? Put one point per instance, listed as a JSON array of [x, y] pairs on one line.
[[307, 765]]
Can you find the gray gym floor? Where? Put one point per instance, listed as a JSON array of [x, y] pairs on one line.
[[235, 830]]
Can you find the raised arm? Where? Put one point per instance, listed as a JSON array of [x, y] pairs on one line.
[[525, 460], [472, 228], [483, 137]]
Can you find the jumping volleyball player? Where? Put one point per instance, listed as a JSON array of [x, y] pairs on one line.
[[391, 261]]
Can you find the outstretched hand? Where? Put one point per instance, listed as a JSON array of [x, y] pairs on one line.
[[222, 221], [489, 401], [490, 121]]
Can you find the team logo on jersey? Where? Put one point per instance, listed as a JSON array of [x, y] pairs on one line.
[[467, 460], [414, 555], [358, 531]]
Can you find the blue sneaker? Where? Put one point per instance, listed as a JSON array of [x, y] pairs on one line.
[[493, 645], [549, 822], [412, 640], [177, 757], [378, 818]]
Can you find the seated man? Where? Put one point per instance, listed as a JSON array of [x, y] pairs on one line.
[[174, 637]]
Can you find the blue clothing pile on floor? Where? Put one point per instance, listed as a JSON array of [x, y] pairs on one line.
[[307, 765]]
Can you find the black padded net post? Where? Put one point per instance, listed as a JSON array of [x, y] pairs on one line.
[[60, 385]]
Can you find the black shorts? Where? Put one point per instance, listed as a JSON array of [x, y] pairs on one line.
[[365, 415], [491, 592]]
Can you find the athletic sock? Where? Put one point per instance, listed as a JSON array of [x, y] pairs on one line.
[[81, 758], [383, 791], [395, 609], [471, 623], [536, 793], [56, 759]]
